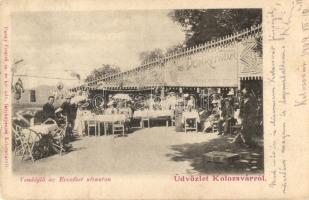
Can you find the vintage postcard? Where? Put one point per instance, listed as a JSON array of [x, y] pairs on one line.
[[154, 99]]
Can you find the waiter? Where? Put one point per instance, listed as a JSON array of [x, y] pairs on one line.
[[68, 110]]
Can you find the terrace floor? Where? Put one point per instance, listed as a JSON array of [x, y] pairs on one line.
[[156, 150]]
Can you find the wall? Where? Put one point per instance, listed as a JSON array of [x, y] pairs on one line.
[[41, 92]]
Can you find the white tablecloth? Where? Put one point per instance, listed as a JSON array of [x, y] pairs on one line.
[[140, 114], [111, 118], [106, 117], [152, 113]]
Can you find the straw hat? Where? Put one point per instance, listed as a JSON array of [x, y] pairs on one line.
[[231, 93], [214, 101]]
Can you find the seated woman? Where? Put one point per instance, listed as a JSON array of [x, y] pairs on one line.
[[212, 118], [203, 114], [191, 103]]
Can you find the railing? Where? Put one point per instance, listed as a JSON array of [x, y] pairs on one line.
[[235, 37]]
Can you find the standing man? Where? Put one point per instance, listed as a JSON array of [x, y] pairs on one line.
[[48, 109], [248, 115], [228, 114], [67, 110]]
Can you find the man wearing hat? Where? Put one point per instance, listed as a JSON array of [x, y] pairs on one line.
[[68, 110], [248, 115], [227, 115]]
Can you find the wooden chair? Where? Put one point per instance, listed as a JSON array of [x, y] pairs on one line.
[[173, 121], [105, 128], [92, 124], [118, 127], [143, 120], [239, 134], [58, 134], [50, 121], [19, 141], [188, 127], [235, 129], [215, 126], [30, 141], [58, 137]]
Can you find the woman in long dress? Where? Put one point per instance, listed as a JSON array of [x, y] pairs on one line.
[[79, 122]]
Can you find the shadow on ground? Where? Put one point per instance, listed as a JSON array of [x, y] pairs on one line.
[[251, 158]]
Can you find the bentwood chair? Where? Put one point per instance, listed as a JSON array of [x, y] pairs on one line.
[[24, 144], [30, 141], [58, 138], [19, 141]]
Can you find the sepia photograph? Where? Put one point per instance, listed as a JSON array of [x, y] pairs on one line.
[[148, 92]]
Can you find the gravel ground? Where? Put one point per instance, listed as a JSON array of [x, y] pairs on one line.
[[157, 150]]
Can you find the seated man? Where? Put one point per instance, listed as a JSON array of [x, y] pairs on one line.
[[226, 117], [69, 111], [48, 109], [111, 108]]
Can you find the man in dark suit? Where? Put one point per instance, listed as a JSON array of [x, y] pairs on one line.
[[48, 109], [248, 115], [67, 109]]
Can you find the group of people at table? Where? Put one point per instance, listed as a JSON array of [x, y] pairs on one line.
[[222, 114], [243, 110]]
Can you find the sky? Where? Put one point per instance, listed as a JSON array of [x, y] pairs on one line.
[[54, 44]]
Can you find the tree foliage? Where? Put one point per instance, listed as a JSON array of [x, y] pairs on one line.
[[201, 26], [204, 25], [149, 55], [103, 70]]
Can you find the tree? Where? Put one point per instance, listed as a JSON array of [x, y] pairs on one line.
[[101, 71], [158, 53], [174, 48], [149, 55], [201, 26]]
